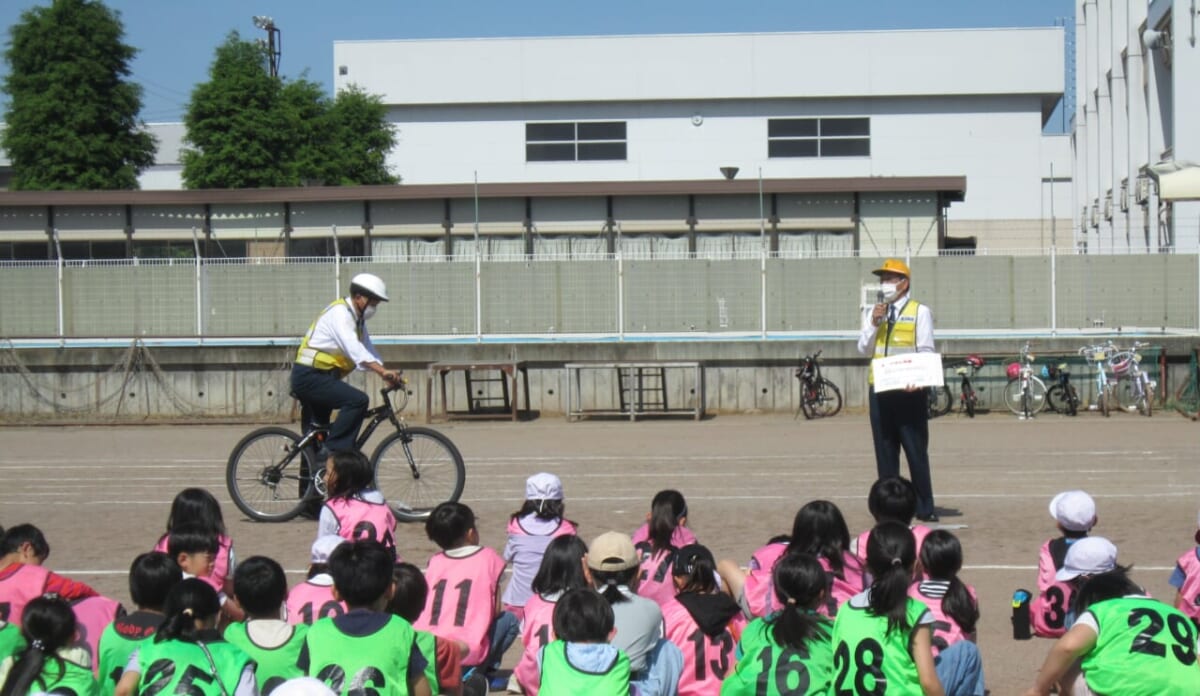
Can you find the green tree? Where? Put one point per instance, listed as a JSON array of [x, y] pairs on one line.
[[247, 129], [72, 120]]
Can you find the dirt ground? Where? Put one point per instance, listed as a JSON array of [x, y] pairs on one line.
[[101, 494]]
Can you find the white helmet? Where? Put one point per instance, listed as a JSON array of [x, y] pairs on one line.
[[370, 285]]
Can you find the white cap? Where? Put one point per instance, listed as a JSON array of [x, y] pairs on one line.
[[323, 547], [1088, 556], [543, 486], [303, 686], [1075, 511]]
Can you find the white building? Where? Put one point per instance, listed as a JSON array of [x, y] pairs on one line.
[[668, 108], [1137, 67]]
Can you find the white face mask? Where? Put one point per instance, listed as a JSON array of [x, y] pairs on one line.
[[890, 291], [368, 312]]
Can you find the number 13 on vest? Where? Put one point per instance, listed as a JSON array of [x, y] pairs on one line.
[[907, 370]]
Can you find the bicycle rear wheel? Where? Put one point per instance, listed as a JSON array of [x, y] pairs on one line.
[[417, 469], [1062, 399], [824, 401], [1146, 402], [940, 401], [266, 475], [1037, 395]]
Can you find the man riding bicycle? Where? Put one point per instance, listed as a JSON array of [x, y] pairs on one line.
[[335, 345]]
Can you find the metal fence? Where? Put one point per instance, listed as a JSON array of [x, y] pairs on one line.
[[599, 296]]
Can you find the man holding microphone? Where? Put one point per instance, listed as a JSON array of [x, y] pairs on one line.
[[898, 324]]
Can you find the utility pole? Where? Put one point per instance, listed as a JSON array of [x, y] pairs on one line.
[[274, 41]]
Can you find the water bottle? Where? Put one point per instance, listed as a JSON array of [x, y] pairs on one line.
[[1020, 615]]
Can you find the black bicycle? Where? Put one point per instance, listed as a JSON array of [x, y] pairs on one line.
[[938, 401], [968, 395], [819, 397], [273, 472], [1061, 397]]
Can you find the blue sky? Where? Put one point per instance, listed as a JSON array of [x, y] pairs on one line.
[[176, 38]]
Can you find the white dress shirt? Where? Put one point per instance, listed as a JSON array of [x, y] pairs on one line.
[[337, 332], [866, 338]]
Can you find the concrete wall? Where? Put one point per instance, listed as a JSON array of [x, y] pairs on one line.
[[124, 384]]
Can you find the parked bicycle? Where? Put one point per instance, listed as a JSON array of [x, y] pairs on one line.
[[273, 472], [1024, 394], [938, 400], [1061, 397], [819, 397], [967, 394], [1134, 388], [1105, 395]]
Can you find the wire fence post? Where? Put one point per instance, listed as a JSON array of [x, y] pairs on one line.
[[620, 289], [199, 290], [1053, 290], [478, 270], [59, 285], [337, 263]]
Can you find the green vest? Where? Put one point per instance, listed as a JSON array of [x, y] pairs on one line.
[[273, 666], [427, 642], [1144, 647], [866, 655], [11, 641], [377, 663], [180, 666], [560, 677], [766, 668], [112, 656], [75, 679]]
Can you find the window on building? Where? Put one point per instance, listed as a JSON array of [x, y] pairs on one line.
[[575, 142], [819, 137]]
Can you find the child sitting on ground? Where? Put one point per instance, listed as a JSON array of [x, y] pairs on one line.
[[1074, 513], [581, 660], [260, 587], [354, 508], [530, 530], [151, 577], [23, 550], [1186, 581], [444, 671], [312, 598], [47, 664], [365, 647], [665, 531]]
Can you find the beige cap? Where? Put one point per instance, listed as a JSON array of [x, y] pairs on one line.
[[612, 551]]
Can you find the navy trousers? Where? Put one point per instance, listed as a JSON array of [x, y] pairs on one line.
[[322, 391], [900, 420]]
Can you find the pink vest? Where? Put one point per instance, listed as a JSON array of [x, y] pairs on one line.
[[706, 659], [1189, 592], [946, 631], [760, 595], [25, 583], [681, 537], [222, 575], [1048, 610], [92, 616], [358, 519], [842, 587], [462, 599], [307, 602], [919, 531], [537, 631], [655, 579]]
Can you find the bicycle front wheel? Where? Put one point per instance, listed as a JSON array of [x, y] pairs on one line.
[[1146, 402], [1013, 396], [825, 401], [1061, 399], [940, 401], [1036, 395], [268, 476], [417, 469]]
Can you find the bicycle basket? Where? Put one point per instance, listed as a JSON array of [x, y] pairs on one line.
[[975, 360]]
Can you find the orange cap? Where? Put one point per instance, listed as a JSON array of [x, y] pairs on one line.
[[893, 266]]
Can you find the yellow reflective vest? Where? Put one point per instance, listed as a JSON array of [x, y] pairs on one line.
[[900, 337], [320, 359]]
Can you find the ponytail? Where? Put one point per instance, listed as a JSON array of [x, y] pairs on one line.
[[891, 553], [800, 583], [696, 564], [666, 510], [190, 601], [941, 556], [48, 625]]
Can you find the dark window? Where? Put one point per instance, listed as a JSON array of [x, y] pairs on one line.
[[570, 142], [819, 137], [25, 251]]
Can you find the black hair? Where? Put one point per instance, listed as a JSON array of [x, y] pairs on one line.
[[151, 577], [582, 616], [562, 566], [196, 506], [362, 571], [411, 591], [545, 509], [191, 538], [891, 553], [1110, 585], [23, 534], [666, 509], [189, 601], [942, 558], [893, 500], [260, 586], [696, 563], [48, 625], [800, 584], [606, 582], [352, 473], [820, 530], [315, 569], [449, 524]]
